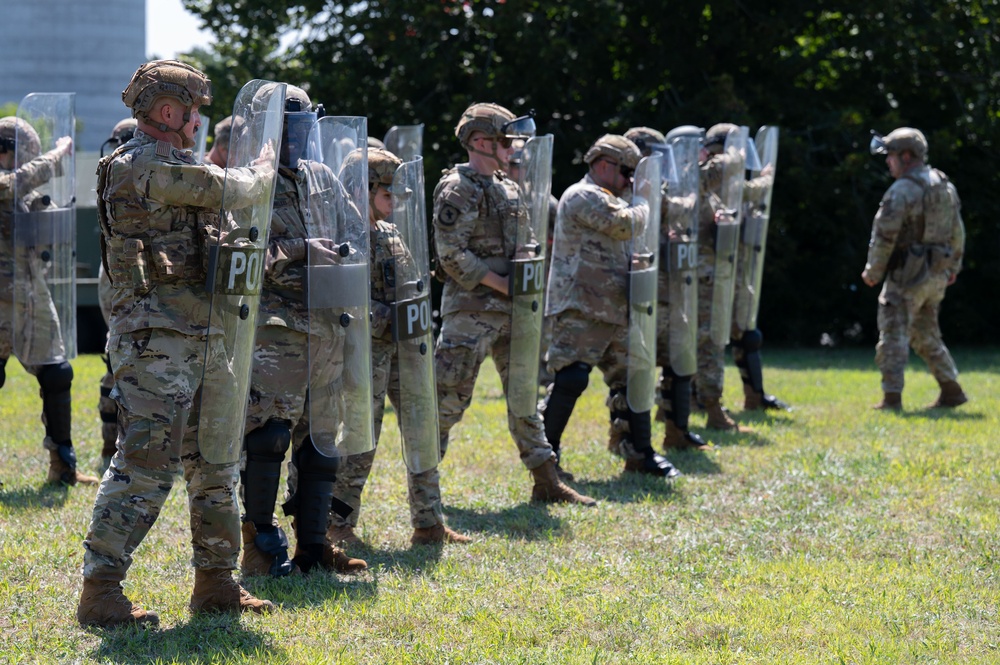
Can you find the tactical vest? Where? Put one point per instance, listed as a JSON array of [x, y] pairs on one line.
[[938, 208]]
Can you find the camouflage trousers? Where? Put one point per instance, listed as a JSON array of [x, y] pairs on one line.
[[909, 317], [158, 374], [283, 376], [423, 489], [711, 356], [579, 338], [465, 340]]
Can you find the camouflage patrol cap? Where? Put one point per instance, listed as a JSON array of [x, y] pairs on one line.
[[899, 140], [645, 138], [16, 131], [616, 147], [685, 131], [488, 118], [715, 138], [166, 78]]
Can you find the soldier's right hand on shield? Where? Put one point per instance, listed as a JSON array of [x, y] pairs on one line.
[[64, 146], [325, 252], [266, 156], [497, 283]]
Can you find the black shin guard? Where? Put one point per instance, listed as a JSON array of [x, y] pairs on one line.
[[569, 384], [265, 449], [313, 497], [55, 381], [751, 370], [676, 393]]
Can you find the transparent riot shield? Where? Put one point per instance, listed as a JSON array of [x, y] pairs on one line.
[[236, 268], [642, 281], [727, 234], [527, 277], [44, 232], [201, 139], [338, 287], [411, 320], [405, 141], [753, 240], [681, 255]]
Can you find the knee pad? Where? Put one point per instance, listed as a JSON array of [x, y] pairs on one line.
[[314, 465], [270, 442], [752, 340], [573, 379], [55, 378]]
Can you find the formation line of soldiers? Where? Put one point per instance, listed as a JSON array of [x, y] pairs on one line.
[[263, 302]]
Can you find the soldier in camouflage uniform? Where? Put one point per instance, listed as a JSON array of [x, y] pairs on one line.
[[426, 514], [674, 416], [711, 356], [283, 368], [221, 133], [107, 408], [157, 209], [588, 297], [917, 243], [476, 213], [22, 169]]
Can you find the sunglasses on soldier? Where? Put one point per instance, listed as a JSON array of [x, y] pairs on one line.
[[504, 141], [626, 172]]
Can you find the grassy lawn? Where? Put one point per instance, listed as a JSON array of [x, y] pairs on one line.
[[832, 534]]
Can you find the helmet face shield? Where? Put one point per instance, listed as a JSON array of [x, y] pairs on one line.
[[877, 145], [522, 127], [295, 137], [753, 157]]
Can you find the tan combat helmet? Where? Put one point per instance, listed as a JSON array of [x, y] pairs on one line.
[[645, 138], [616, 147], [122, 133], [901, 139], [715, 137], [496, 123], [382, 166], [16, 132], [685, 131], [167, 78]]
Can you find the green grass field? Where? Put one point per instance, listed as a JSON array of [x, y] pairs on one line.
[[832, 534]]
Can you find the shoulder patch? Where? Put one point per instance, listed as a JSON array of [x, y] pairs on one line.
[[164, 149], [448, 215]]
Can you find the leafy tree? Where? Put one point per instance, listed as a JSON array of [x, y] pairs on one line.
[[826, 72]]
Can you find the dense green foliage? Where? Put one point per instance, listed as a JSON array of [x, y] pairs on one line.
[[826, 72]]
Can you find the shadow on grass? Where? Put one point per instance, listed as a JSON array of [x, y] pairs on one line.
[[312, 590], [727, 439], [34, 498], [942, 413], [209, 638], [693, 462], [526, 521], [629, 488]]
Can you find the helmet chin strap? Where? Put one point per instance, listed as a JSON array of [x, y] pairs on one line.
[[167, 129], [492, 155]]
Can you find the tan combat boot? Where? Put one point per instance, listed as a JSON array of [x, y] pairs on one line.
[[335, 559], [550, 489], [717, 418], [951, 396], [61, 470], [267, 555], [343, 535], [680, 439], [103, 604], [890, 402], [752, 400], [215, 590], [437, 534]]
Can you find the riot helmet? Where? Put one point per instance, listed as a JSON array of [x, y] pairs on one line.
[[382, 166], [120, 135], [685, 131], [497, 123], [300, 116], [17, 133], [645, 138], [167, 78], [617, 148], [899, 140]]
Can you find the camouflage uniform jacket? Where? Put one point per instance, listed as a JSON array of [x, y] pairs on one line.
[[309, 202], [389, 258], [710, 202], [152, 192], [475, 231], [902, 221], [26, 178], [591, 253]]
